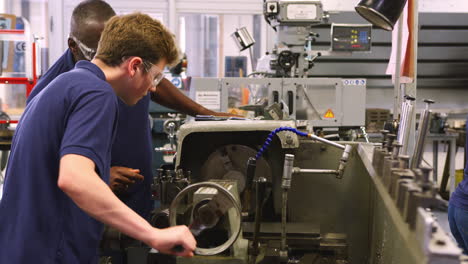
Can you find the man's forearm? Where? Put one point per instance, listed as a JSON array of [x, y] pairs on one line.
[[79, 181], [169, 96]]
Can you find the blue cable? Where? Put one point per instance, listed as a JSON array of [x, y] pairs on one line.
[[270, 138]]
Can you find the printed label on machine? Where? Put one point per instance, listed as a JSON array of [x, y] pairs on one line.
[[209, 99], [354, 82], [302, 12], [20, 47]]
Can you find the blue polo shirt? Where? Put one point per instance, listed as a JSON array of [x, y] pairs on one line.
[[63, 64], [459, 197], [132, 147], [75, 114]]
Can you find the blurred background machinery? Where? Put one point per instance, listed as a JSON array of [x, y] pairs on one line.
[[284, 76]]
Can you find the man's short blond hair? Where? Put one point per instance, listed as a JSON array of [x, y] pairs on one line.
[[136, 35]]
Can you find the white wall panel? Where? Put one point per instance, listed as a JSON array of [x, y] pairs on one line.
[[450, 6], [56, 31], [61, 10], [446, 6], [220, 6], [3, 6]]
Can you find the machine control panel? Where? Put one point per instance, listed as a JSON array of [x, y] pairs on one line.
[[351, 37]]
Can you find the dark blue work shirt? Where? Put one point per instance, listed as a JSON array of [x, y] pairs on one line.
[[459, 197], [63, 64], [75, 114], [132, 146]]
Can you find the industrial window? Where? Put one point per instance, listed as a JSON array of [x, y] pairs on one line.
[[211, 52]]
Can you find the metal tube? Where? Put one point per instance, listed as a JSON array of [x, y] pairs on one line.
[[285, 185], [328, 142], [411, 88], [406, 130], [384, 137], [252, 62], [404, 106], [338, 172], [435, 151], [260, 186], [390, 141], [396, 151], [284, 210], [397, 73], [364, 133], [314, 171], [404, 161], [453, 152], [287, 171], [419, 148], [404, 112], [251, 167], [404, 117], [344, 161]]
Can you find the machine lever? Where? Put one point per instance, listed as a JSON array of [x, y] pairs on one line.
[[260, 194], [175, 249], [285, 186]]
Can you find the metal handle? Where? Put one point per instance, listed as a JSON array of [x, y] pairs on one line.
[[286, 185], [419, 148], [260, 193]]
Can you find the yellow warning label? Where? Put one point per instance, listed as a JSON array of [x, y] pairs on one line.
[[329, 114]]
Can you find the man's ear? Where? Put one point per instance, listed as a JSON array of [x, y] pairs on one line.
[[71, 44], [73, 47], [134, 63]]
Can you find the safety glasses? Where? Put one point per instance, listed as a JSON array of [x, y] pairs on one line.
[[87, 52], [159, 75]]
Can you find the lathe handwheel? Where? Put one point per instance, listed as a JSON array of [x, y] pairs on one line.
[[226, 197]]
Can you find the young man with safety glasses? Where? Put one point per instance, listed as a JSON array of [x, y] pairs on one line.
[[131, 171], [55, 186]]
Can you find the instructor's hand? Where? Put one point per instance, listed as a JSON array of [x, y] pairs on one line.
[[121, 178], [165, 240]]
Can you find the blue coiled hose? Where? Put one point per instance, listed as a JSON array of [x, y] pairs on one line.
[[270, 138]]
